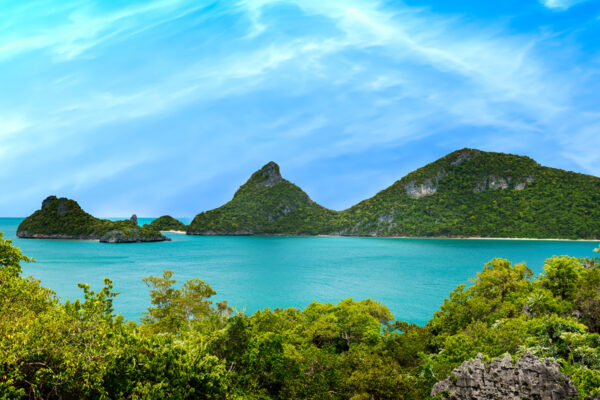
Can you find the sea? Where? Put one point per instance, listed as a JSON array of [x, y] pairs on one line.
[[410, 276]]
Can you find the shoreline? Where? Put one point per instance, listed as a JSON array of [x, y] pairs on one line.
[[233, 234]]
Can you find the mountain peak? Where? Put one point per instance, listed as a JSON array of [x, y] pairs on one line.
[[268, 175]]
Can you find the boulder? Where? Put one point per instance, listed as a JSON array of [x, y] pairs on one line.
[[503, 378], [133, 236]]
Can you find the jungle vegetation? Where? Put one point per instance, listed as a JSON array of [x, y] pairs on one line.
[[186, 347], [468, 193], [64, 218], [166, 223]]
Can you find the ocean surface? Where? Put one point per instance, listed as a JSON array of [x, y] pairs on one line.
[[410, 276]]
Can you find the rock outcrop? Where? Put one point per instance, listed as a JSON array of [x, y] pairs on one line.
[[269, 175], [429, 187], [133, 236], [48, 201], [133, 219], [503, 378]]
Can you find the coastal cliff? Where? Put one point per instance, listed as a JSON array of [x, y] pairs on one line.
[[62, 218]]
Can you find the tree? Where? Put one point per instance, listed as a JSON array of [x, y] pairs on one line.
[[176, 308], [11, 257], [561, 276]]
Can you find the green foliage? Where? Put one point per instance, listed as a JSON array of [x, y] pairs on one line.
[[11, 257], [469, 201], [174, 308], [188, 348], [281, 208], [166, 223], [65, 219], [538, 202]]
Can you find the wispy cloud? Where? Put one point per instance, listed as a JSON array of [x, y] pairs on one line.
[[300, 81], [561, 5], [85, 28]]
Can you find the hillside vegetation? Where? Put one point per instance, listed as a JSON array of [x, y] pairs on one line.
[[62, 218], [464, 194], [265, 204], [186, 347], [166, 223]]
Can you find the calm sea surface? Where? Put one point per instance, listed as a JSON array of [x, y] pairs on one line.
[[411, 276]]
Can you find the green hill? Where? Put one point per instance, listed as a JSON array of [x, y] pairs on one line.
[[468, 193], [166, 223], [475, 193], [265, 204], [62, 218]]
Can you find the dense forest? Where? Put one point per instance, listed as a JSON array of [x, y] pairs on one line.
[[266, 204], [466, 193], [64, 219], [166, 223], [186, 347]]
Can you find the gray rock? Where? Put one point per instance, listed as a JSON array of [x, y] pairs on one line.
[[271, 172], [527, 378], [132, 236], [62, 207], [492, 182], [427, 188], [133, 219], [465, 156], [47, 201]]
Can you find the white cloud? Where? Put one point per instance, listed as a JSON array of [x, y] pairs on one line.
[[88, 28], [560, 5], [11, 125]]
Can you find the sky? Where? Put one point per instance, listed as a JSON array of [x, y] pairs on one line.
[[167, 106]]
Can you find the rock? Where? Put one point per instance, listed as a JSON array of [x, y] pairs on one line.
[[492, 182], [133, 219], [62, 208], [132, 236], [429, 187], [47, 201], [528, 378], [271, 172], [465, 155]]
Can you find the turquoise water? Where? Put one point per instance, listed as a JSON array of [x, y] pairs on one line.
[[411, 276]]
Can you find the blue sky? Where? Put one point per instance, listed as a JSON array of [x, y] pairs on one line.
[[167, 106]]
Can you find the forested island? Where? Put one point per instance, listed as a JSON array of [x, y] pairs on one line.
[[166, 223], [508, 335], [468, 193], [62, 218]]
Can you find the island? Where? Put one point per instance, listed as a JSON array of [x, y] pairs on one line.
[[166, 223], [265, 204], [468, 193], [62, 218]]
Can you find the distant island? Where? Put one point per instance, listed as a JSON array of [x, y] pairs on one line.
[[62, 218], [166, 223], [468, 193]]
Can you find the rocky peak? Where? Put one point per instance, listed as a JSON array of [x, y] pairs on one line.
[[62, 207], [465, 155], [527, 378], [133, 219], [47, 201], [269, 175]]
